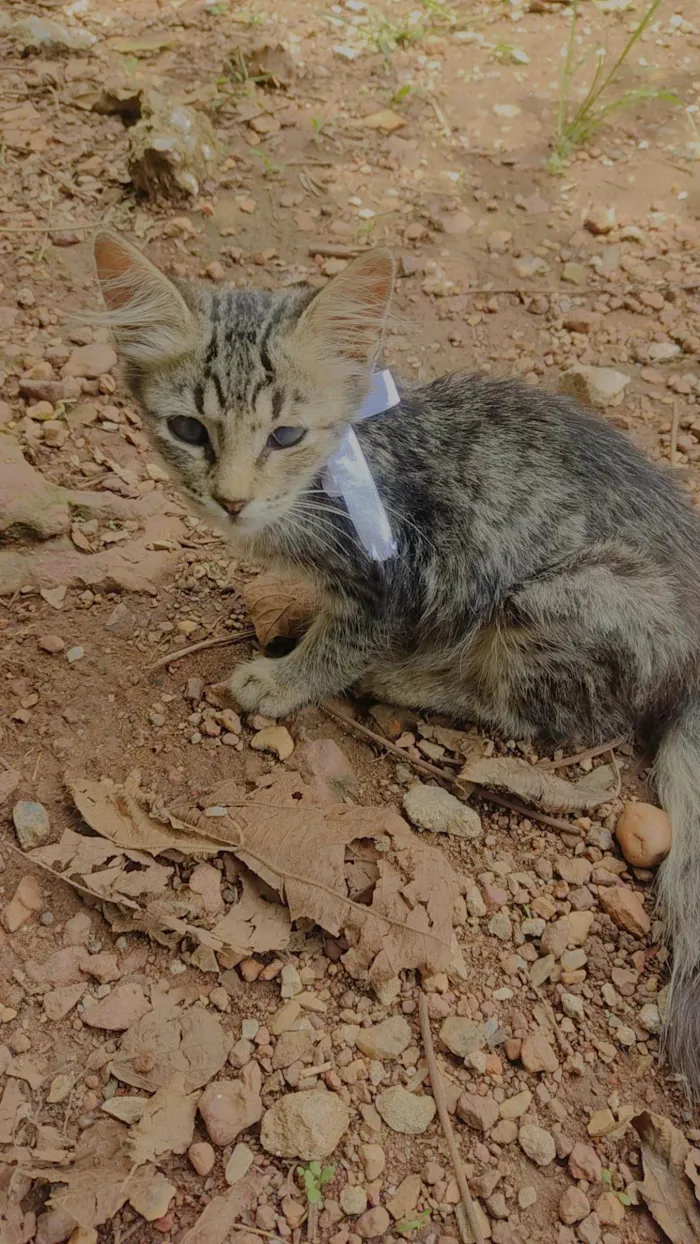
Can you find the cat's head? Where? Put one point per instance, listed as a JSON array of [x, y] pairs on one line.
[[245, 393]]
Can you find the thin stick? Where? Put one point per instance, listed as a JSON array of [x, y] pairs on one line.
[[589, 754], [483, 792], [675, 421], [46, 228], [219, 642], [445, 1121], [335, 252]]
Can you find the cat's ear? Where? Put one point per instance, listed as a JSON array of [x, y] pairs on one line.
[[147, 314], [349, 315]]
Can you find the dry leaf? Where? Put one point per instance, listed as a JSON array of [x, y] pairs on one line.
[[279, 608], [126, 1109], [16, 1227], [216, 1222], [542, 787], [166, 1124], [95, 1187], [114, 812], [13, 1108], [167, 1041], [667, 1190], [253, 925]]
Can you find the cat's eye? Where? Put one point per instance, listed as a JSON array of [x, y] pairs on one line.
[[191, 431], [284, 438]]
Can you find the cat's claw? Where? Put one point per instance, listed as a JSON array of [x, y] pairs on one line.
[[257, 688]]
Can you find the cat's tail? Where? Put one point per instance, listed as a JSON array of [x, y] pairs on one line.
[[677, 776]]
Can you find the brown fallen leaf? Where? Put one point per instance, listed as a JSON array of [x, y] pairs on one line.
[[166, 1124], [169, 1041], [113, 811], [13, 1108], [279, 608], [542, 787], [216, 1222], [667, 1190], [95, 1187]]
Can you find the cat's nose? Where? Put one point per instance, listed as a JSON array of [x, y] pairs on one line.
[[234, 507]]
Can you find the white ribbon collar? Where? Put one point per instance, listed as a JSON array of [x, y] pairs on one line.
[[347, 474]]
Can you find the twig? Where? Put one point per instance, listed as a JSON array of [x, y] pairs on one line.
[[675, 421], [445, 1121], [589, 754], [219, 642], [483, 792], [312, 1223], [47, 228]]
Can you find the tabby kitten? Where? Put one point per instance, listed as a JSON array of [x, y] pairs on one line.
[[546, 578]]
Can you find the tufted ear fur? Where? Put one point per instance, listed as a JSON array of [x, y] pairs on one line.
[[347, 318], [150, 320]]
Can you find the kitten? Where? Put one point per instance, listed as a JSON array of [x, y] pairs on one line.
[[547, 577]]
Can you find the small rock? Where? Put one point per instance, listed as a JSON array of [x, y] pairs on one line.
[[505, 1132], [600, 219], [610, 1210], [625, 908], [589, 1229], [31, 822], [461, 1036], [275, 739], [530, 265], [373, 1160], [513, 1107], [238, 1164], [542, 969], [584, 1163], [385, 1040], [479, 1112], [649, 1018], [574, 274], [601, 1122], [306, 1125], [573, 1006], [596, 386], [51, 643], [75, 654], [290, 981], [527, 1197], [576, 871], [353, 1200], [229, 1107], [536, 1054], [405, 1112], [501, 926], [405, 1198], [644, 834], [91, 362], [292, 1047], [54, 1227], [151, 1194], [573, 1206], [202, 1157], [537, 1144], [435, 809], [509, 111], [25, 901], [373, 1224], [663, 351]]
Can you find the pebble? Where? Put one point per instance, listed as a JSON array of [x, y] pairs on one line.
[[373, 1224], [90, 362], [527, 1197], [229, 1107], [461, 1036], [644, 834], [51, 643], [202, 1157], [373, 1159], [405, 1112], [596, 386], [479, 1112], [238, 1164], [610, 1210], [275, 739], [537, 1144], [151, 1195], [625, 908], [573, 1006], [501, 926], [434, 809], [584, 1163], [536, 1054], [600, 219], [306, 1125], [649, 1018], [386, 1040], [514, 1107], [353, 1200], [25, 900], [574, 1206], [31, 822], [75, 654]]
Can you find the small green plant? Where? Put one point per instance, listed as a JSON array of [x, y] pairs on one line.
[[576, 125], [388, 36], [319, 127], [402, 93], [270, 169], [509, 52], [315, 1178], [409, 1225]]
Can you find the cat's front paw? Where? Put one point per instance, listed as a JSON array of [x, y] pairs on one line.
[[257, 688]]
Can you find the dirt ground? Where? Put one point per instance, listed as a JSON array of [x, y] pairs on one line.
[[426, 126]]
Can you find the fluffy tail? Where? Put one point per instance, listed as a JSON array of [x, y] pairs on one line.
[[677, 775]]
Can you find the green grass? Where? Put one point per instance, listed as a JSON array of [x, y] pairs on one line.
[[315, 1178], [576, 124]]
